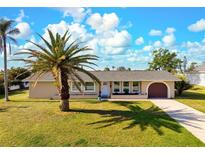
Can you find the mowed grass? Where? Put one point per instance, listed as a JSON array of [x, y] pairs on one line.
[[194, 97], [33, 122]]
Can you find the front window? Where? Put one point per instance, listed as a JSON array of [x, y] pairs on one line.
[[126, 87], [74, 87], [136, 87], [116, 87], [89, 86]]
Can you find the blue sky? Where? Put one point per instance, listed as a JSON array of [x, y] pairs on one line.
[[119, 36]]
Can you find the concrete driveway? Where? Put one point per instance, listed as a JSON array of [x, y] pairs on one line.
[[193, 120]]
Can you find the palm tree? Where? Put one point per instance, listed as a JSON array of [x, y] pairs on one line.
[[63, 59], [6, 33]]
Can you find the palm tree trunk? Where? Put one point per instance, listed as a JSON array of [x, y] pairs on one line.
[[64, 91], [5, 70]]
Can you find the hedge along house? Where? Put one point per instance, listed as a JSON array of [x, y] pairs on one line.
[[114, 84]]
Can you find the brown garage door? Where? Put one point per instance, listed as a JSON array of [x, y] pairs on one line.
[[157, 90]]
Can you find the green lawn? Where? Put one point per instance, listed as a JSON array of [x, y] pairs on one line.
[[194, 97], [30, 122]]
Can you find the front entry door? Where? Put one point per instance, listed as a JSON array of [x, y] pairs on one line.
[[105, 91]]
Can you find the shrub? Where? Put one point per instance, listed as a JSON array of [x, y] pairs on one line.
[[182, 85]]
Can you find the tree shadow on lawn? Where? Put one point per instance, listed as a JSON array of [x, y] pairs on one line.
[[192, 95], [144, 118], [33, 101], [4, 109]]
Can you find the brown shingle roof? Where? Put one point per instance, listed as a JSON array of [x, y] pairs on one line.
[[137, 75]]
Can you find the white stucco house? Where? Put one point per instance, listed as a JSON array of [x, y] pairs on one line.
[[114, 84], [197, 76]]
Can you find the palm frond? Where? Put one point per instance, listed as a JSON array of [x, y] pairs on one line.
[[1, 44], [38, 77], [75, 83], [45, 41], [12, 39], [9, 48], [14, 31], [52, 38], [76, 75], [40, 47], [87, 73]]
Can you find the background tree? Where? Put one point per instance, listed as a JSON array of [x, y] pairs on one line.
[[192, 67], [6, 33], [163, 59], [106, 69], [122, 68], [63, 59], [16, 75]]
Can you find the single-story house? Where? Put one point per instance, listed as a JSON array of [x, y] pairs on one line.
[[197, 76], [114, 84]]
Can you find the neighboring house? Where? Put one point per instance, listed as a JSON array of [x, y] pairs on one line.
[[197, 76], [114, 84], [16, 87]]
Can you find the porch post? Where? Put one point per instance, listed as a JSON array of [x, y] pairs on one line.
[[110, 89], [130, 86], [99, 89]]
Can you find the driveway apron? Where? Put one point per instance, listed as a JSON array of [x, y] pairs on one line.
[[193, 120]]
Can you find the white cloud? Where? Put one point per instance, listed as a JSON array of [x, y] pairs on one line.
[[119, 39], [194, 47], [157, 44], [137, 56], [155, 32], [20, 17], [190, 44], [77, 13], [108, 38], [103, 23], [25, 30], [139, 41], [148, 48], [112, 50], [170, 30], [109, 42], [114, 42], [139, 59], [198, 26], [169, 40], [77, 30], [194, 51], [95, 21]]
